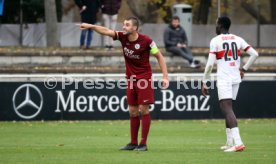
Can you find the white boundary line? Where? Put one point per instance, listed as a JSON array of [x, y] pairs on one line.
[[123, 75]]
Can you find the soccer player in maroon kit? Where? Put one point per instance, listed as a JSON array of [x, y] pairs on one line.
[[137, 49]]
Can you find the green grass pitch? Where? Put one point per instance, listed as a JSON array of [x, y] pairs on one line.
[[185, 141]]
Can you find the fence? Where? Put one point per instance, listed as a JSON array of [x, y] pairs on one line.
[[34, 34]]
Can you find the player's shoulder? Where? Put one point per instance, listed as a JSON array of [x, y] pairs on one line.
[[239, 38], [215, 39], [120, 35], [144, 36]]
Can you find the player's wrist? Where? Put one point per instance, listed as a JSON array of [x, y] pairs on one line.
[[204, 82], [165, 77], [243, 70], [92, 27]]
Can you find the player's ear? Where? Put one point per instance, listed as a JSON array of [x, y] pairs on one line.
[[136, 28]]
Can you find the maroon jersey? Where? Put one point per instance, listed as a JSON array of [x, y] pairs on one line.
[[137, 54]]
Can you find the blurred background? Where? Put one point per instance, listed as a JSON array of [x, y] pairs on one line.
[[23, 21]]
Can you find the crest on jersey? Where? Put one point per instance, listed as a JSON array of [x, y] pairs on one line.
[[137, 46]]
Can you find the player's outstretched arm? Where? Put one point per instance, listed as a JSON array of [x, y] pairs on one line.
[[99, 29], [163, 66]]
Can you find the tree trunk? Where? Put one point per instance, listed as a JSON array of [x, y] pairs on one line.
[[253, 12], [203, 11], [52, 36], [143, 10], [273, 11]]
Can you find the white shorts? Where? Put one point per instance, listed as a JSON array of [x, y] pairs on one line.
[[227, 90]]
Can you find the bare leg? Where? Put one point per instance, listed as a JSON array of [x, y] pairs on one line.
[[231, 120], [227, 110]]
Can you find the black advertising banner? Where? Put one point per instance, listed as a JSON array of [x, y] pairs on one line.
[[34, 101]]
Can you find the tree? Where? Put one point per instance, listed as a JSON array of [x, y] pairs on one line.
[[150, 10], [144, 10], [254, 12], [52, 36], [273, 11], [202, 16]]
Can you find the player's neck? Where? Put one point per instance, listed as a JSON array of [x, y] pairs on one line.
[[133, 37], [224, 32]]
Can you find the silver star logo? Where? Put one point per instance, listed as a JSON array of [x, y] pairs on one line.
[[27, 102]]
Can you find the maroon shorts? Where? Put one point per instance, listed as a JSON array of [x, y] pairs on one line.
[[140, 92]]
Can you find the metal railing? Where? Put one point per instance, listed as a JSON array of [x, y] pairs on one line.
[[117, 76]]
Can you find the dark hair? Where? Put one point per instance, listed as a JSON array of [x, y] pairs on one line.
[[225, 22], [135, 21], [176, 18]]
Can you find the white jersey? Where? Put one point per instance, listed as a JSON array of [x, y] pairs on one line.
[[227, 48]]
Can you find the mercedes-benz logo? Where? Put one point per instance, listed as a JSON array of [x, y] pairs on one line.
[[27, 102]]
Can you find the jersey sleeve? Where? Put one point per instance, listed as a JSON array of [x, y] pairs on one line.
[[211, 60], [213, 47], [153, 47], [209, 66], [118, 35], [244, 45]]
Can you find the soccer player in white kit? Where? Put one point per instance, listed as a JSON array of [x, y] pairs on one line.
[[225, 50]]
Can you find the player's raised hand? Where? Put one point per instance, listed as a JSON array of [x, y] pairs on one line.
[[204, 89], [165, 83], [84, 26]]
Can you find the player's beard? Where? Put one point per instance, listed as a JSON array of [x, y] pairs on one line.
[[127, 33]]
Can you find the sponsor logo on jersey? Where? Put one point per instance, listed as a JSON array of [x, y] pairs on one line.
[[129, 53]]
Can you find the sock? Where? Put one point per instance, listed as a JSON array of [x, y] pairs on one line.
[[145, 128], [134, 129], [236, 136], [229, 137]]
